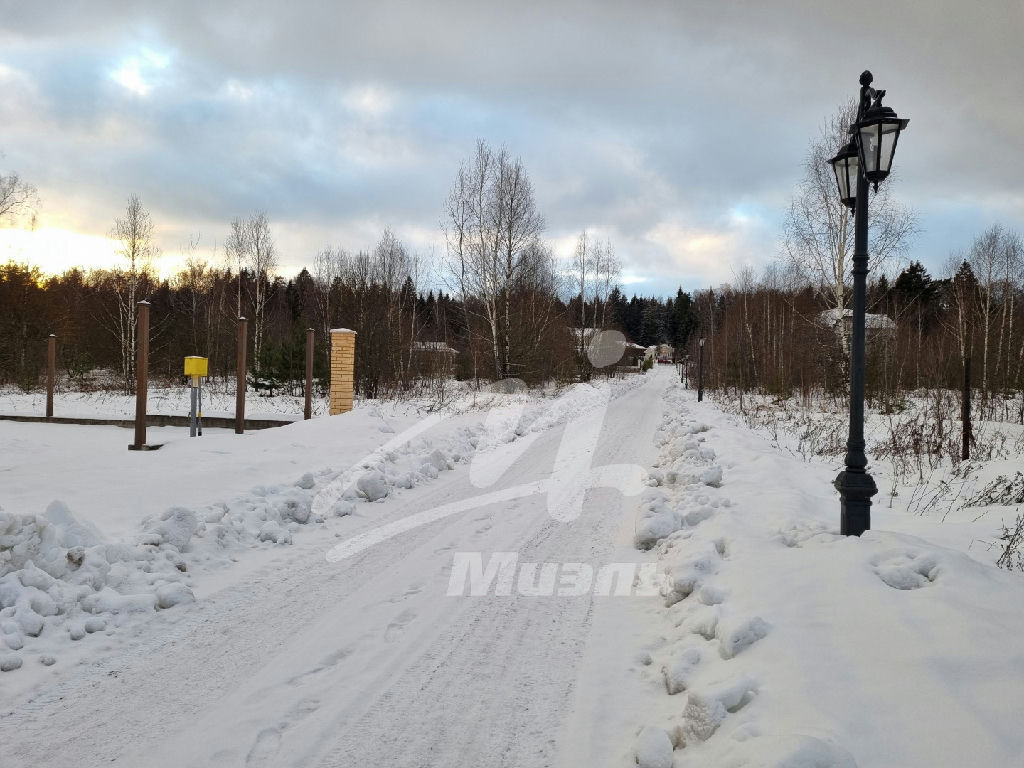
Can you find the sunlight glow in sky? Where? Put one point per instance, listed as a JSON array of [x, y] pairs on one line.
[[55, 250], [136, 72]]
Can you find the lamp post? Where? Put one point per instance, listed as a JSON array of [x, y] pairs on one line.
[[867, 158], [700, 370]]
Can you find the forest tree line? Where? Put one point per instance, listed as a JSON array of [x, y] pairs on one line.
[[195, 311], [767, 332]]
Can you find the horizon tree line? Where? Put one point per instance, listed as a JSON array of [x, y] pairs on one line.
[[509, 308]]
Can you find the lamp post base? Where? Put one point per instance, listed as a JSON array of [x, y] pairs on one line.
[[855, 492]]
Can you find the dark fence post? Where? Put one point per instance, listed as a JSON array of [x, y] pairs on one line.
[[51, 373], [965, 411], [307, 412], [141, 378], [700, 372], [240, 379]]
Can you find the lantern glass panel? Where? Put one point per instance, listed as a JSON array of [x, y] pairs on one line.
[[844, 188], [869, 146], [846, 168], [889, 133], [853, 168]]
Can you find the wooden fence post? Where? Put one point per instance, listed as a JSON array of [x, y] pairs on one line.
[[240, 378], [307, 412], [965, 411], [141, 379], [51, 373]]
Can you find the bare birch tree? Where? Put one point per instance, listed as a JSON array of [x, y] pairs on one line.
[[17, 199], [491, 222], [458, 236], [134, 233], [261, 261], [520, 226], [581, 268], [963, 289], [236, 250], [607, 272], [818, 231], [985, 258], [329, 267], [995, 258]]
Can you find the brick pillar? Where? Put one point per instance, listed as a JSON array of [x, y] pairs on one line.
[[343, 363]]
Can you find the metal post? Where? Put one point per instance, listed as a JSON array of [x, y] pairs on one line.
[[141, 376], [700, 371], [199, 413], [855, 485], [192, 410], [240, 379], [965, 411], [307, 412], [51, 373]]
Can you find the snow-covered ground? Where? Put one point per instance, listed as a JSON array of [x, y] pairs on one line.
[[404, 586], [218, 400], [778, 642]]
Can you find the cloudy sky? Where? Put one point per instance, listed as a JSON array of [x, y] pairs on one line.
[[675, 129]]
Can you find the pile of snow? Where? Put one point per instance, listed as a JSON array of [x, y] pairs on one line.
[[683, 479], [59, 579], [781, 643]]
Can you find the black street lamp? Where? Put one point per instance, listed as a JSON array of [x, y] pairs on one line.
[[700, 370], [866, 159]]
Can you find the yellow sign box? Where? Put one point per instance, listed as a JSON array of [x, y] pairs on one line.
[[196, 366]]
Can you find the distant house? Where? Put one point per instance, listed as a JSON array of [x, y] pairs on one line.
[[433, 348], [583, 335], [433, 358], [660, 352], [632, 354], [841, 323]]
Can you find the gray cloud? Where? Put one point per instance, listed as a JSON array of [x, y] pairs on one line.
[[678, 129]]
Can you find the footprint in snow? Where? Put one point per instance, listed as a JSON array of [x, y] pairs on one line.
[[707, 708], [268, 742], [329, 661], [410, 591], [735, 636], [797, 536], [906, 570], [396, 627], [266, 747]]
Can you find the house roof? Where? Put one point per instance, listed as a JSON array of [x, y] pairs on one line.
[[875, 322], [585, 333], [434, 346]]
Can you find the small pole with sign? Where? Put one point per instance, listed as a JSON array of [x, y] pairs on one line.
[[196, 368]]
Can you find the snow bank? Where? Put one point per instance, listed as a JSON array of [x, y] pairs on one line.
[[780, 643], [59, 579]]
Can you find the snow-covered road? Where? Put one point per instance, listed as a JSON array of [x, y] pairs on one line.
[[295, 660]]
